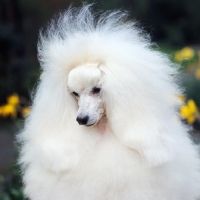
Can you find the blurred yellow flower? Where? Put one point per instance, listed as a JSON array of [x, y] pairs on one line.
[[13, 107], [197, 74], [185, 53], [189, 112], [8, 110], [178, 56], [26, 110], [1, 110], [13, 99]]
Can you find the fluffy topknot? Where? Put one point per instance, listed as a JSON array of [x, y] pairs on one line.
[[78, 32]]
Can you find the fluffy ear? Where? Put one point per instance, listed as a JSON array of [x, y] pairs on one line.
[[148, 137], [141, 111], [52, 137]]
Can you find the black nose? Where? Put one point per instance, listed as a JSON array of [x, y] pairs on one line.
[[82, 120]]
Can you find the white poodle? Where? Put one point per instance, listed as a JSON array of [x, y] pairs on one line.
[[104, 123]]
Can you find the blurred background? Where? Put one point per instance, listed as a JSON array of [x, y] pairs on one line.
[[173, 24]]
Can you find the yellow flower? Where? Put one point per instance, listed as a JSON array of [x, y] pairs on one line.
[[185, 112], [189, 112], [190, 119], [185, 53], [8, 110], [26, 110], [13, 99], [192, 106], [1, 110], [197, 74], [178, 56]]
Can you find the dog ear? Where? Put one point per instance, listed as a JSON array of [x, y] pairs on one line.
[[154, 143], [141, 119], [50, 134]]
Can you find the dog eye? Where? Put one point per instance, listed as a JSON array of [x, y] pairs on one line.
[[75, 94], [96, 90]]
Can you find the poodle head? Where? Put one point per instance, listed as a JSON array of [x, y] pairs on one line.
[[134, 85], [85, 84]]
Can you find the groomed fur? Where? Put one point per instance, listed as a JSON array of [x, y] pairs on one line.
[[143, 154]]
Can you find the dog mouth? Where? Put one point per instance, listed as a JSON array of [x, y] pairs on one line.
[[93, 124], [88, 125]]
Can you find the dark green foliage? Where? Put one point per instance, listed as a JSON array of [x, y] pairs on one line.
[[11, 186]]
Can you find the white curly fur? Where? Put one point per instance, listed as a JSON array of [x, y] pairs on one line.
[[138, 150]]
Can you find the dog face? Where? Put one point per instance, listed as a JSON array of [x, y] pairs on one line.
[[85, 84]]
